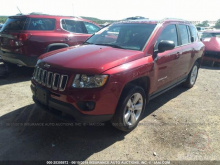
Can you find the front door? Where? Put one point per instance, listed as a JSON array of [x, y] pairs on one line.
[[166, 63]]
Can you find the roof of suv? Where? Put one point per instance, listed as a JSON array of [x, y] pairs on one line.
[[50, 16], [148, 21]]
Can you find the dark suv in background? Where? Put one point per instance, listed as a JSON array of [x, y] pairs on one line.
[[25, 37]]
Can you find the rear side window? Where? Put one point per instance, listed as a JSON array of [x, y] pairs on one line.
[[14, 24], [91, 28], [169, 33], [41, 24], [184, 34], [193, 32], [73, 26]]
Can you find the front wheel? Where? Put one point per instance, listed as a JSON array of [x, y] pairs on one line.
[[191, 80], [130, 109]]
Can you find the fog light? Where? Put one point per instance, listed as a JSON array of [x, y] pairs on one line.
[[86, 105]]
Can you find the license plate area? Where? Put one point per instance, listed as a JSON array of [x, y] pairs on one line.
[[41, 95]]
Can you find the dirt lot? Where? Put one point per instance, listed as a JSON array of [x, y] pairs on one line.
[[178, 125]]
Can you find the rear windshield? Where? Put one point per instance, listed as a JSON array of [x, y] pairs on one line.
[[14, 24], [42, 24]]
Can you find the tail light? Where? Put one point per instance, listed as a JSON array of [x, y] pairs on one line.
[[18, 39], [23, 36]]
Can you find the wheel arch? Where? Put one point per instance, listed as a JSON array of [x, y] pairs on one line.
[[59, 45], [143, 82]]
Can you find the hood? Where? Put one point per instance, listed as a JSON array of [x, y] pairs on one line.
[[212, 44], [92, 59]]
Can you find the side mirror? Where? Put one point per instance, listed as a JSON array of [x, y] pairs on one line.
[[165, 45]]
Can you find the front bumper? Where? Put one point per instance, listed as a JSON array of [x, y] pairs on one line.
[[68, 111], [18, 59]]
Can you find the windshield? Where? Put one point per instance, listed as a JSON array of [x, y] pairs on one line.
[[209, 35], [131, 36]]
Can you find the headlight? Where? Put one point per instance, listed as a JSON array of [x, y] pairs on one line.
[[89, 81], [38, 61]]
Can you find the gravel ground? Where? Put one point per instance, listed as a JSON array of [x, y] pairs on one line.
[[181, 125]]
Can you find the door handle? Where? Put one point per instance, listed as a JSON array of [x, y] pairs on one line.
[[67, 38], [178, 55]]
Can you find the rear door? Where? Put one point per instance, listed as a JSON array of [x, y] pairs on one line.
[[185, 50]]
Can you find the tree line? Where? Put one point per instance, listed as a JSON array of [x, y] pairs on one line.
[[206, 24], [3, 19]]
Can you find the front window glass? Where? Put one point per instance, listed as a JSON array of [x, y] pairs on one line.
[[131, 36], [169, 33]]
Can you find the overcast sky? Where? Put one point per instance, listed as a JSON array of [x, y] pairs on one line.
[[191, 10]]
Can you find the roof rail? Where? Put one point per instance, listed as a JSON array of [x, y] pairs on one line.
[[39, 13], [174, 19]]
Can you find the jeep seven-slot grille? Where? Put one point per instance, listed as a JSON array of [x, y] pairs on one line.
[[49, 79]]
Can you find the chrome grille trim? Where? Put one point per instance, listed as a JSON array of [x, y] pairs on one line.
[[56, 77], [40, 75], [43, 77], [35, 73], [63, 82], [49, 79]]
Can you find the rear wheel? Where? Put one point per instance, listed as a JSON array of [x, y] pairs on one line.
[[130, 109], [10, 67], [191, 80]]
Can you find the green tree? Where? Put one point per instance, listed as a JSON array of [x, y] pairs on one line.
[[217, 24], [3, 19], [204, 24]]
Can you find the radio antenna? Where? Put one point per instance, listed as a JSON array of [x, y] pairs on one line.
[[19, 10]]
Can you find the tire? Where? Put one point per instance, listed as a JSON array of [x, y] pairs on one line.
[[130, 109], [191, 79], [10, 67]]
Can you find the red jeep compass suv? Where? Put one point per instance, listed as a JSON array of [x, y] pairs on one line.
[[117, 71], [23, 38]]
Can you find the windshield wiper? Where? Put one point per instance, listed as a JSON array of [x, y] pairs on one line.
[[114, 46], [87, 43]]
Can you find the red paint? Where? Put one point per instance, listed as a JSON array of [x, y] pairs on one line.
[[33, 43], [122, 66]]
